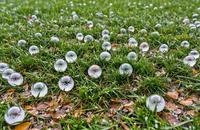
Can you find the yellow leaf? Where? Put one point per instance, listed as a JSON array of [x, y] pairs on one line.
[[23, 126]]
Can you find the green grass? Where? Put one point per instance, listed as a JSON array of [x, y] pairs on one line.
[[96, 94]]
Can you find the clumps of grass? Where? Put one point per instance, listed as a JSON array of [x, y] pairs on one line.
[[151, 85]]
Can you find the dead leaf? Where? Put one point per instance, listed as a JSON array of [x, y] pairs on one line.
[[171, 106], [186, 102], [23, 126], [78, 112], [124, 126], [89, 117], [42, 106], [171, 118], [191, 113], [194, 71], [173, 95]]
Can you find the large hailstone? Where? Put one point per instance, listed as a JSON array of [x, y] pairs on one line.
[[125, 69], [105, 32], [33, 50], [94, 71], [21, 43], [185, 44], [38, 35], [79, 36], [123, 31], [106, 37], [131, 29], [194, 53], [163, 48], [54, 39], [88, 38], [105, 56], [132, 42], [3, 66], [90, 24], [189, 60], [106, 46], [60, 65], [132, 56], [144, 47], [71, 56], [15, 115], [15, 79], [39, 89], [7, 73], [155, 103], [66, 83]]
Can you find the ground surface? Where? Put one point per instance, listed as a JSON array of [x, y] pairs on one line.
[[112, 101]]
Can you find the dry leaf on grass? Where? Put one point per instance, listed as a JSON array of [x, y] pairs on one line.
[[23, 126], [171, 118], [186, 102], [124, 126], [173, 95], [42, 106], [171, 106]]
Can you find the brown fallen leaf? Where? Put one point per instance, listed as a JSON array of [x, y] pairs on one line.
[[42, 106], [171, 118], [194, 71], [171, 106], [173, 95], [124, 126], [192, 113], [78, 112], [23, 126], [89, 117], [186, 102]]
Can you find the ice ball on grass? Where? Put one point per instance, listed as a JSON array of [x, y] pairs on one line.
[[155, 103], [66, 83], [3, 66], [39, 89], [94, 71], [125, 69], [21, 42], [143, 31], [185, 44], [90, 24], [131, 29], [79, 36], [158, 26], [54, 39], [106, 37], [163, 48], [38, 35], [14, 116], [88, 38], [106, 46], [71, 56], [123, 31], [60, 65], [155, 34], [33, 50], [7, 73], [105, 32], [132, 42], [34, 17], [189, 60], [105, 56], [194, 53], [144, 47], [132, 56], [15, 79]]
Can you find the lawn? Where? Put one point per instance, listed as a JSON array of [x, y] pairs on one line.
[[101, 91]]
